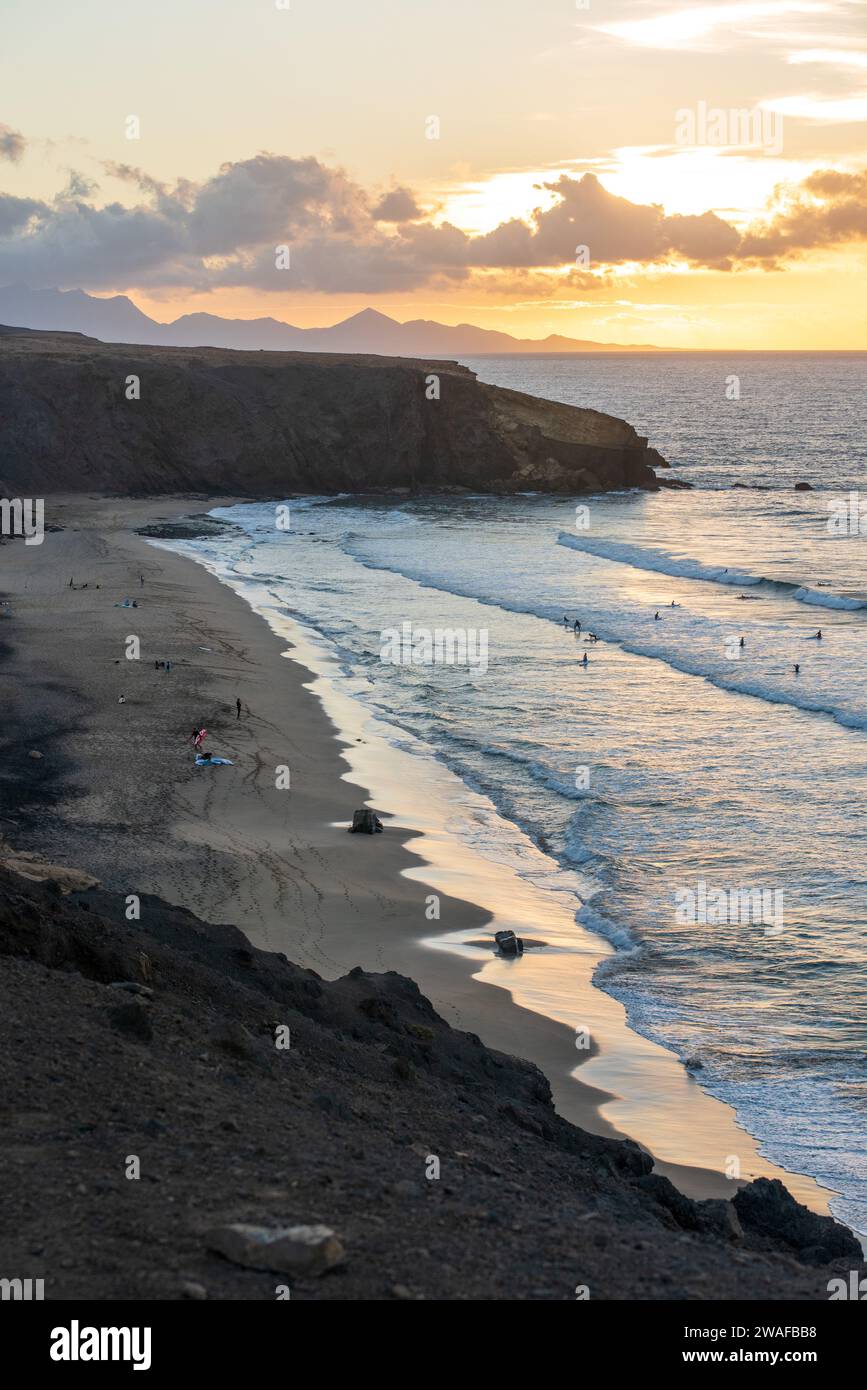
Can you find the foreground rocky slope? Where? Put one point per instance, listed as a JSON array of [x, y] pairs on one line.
[[268, 423], [154, 1039]]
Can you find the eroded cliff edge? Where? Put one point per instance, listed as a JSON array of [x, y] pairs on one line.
[[267, 423]]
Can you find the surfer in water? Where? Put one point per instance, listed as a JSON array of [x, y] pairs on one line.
[[743, 643], [656, 617], [576, 626], [797, 669], [585, 660]]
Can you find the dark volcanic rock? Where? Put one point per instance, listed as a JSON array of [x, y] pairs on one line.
[[765, 1206], [684, 1213], [336, 1131], [268, 424], [133, 1021]]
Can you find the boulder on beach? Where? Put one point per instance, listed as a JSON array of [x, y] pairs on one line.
[[767, 1207], [299, 1250]]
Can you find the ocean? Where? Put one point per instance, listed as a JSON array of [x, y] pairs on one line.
[[700, 803]]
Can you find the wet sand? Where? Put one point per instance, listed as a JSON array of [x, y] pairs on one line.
[[116, 794]]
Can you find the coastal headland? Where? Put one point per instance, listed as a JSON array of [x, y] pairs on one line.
[[83, 416]]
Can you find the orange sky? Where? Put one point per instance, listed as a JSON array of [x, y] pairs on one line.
[[449, 163]]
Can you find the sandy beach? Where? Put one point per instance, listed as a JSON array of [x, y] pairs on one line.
[[115, 794]]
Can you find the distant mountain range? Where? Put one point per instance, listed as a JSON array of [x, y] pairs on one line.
[[118, 320]]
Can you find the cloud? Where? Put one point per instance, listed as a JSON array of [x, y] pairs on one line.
[[833, 57], [700, 26], [16, 213], [227, 231], [397, 206], [79, 186], [829, 208], [613, 229], [840, 110], [12, 143]]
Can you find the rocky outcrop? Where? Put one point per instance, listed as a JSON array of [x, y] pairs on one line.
[[769, 1209], [77, 415], [336, 1132]]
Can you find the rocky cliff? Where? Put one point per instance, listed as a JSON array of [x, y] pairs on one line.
[[77, 415], [157, 1039]]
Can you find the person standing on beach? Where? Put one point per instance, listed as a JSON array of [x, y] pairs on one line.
[[238, 709]]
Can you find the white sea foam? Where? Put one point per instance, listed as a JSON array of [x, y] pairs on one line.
[[661, 562], [824, 600]]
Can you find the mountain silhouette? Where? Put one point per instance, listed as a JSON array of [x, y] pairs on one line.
[[118, 320]]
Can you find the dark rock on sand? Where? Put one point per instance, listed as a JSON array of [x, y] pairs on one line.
[[721, 1218], [189, 528], [767, 1208], [683, 1212], [300, 1250], [268, 424]]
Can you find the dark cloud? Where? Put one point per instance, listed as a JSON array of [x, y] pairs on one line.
[[79, 186], [12, 143], [226, 231], [397, 206], [15, 213]]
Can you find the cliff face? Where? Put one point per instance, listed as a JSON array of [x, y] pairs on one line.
[[265, 424]]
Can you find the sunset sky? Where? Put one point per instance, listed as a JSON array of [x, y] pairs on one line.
[[559, 127]]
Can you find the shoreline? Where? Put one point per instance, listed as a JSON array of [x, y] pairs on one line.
[[235, 849]]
